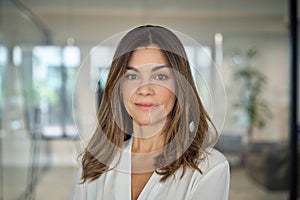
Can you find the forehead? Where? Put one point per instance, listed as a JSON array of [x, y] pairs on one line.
[[147, 55]]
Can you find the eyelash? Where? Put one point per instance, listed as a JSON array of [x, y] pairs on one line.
[[158, 77], [130, 77], [165, 77]]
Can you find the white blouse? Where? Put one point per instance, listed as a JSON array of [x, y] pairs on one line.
[[115, 184]]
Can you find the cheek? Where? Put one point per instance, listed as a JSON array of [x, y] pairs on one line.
[[168, 98], [170, 94], [127, 90], [171, 100], [124, 95]]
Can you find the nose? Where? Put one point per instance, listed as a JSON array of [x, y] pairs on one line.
[[145, 90]]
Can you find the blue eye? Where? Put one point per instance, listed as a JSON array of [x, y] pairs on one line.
[[161, 77], [131, 77]]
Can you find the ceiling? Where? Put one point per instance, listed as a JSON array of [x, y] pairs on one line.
[[92, 21]]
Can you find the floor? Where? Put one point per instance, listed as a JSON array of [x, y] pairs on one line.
[[243, 188], [56, 183]]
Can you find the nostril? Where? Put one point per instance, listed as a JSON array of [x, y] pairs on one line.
[[145, 90]]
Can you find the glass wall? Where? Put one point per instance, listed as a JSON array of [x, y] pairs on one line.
[[53, 77], [19, 33], [256, 71]]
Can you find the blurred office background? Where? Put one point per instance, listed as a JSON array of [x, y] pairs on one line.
[[51, 65]]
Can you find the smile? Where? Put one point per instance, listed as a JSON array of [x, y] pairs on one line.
[[145, 106]]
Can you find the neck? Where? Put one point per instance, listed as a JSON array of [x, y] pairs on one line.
[[147, 139]]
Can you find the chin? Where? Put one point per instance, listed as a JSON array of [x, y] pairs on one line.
[[143, 122], [149, 122]]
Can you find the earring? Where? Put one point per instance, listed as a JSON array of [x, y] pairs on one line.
[[192, 126]]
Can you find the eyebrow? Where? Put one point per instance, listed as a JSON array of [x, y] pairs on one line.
[[153, 70]]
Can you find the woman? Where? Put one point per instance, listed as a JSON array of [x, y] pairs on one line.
[[154, 136]]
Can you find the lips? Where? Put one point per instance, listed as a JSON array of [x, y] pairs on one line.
[[145, 106]]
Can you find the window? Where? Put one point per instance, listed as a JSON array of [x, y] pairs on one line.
[[53, 80]]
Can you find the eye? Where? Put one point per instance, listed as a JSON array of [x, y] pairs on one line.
[[161, 77], [131, 77]]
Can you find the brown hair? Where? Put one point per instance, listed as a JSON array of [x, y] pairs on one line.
[[186, 130]]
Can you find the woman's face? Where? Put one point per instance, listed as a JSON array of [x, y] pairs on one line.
[[148, 87]]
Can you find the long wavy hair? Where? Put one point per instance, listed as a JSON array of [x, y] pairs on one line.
[[188, 130]]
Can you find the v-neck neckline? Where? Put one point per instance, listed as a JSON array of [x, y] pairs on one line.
[[145, 188], [148, 183]]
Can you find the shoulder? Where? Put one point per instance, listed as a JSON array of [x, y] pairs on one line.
[[212, 162], [213, 159], [215, 170], [214, 181]]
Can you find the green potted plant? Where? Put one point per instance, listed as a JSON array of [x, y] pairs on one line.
[[266, 162], [252, 83]]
